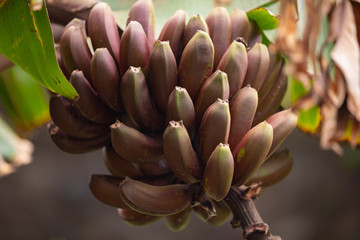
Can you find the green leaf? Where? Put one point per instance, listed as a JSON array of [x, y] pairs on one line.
[[264, 18], [294, 92], [26, 39], [309, 120], [297, 90], [24, 99]]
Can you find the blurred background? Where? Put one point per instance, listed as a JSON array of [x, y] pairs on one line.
[[50, 199]]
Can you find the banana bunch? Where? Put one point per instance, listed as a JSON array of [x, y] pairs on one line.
[[181, 119]]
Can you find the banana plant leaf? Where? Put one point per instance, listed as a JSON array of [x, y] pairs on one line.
[[26, 39], [23, 99]]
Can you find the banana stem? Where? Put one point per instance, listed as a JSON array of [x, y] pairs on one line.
[[245, 214]]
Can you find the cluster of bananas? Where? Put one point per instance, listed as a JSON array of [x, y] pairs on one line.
[[180, 119]]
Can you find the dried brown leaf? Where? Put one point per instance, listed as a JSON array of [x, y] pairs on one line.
[[336, 90], [328, 128], [288, 43], [346, 53], [356, 10]]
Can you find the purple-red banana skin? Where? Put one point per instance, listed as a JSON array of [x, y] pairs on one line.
[[275, 70], [239, 24], [156, 200], [178, 221], [242, 109], [258, 65], [155, 169], [251, 152], [69, 119], [179, 153], [65, 49], [106, 78], [216, 86], [196, 63], [135, 146], [283, 123], [273, 170], [134, 50], [134, 218], [219, 24], [143, 11], [57, 31], [138, 103], [234, 63], [74, 49], [162, 73], [118, 166], [125, 119], [89, 104], [103, 29], [75, 145], [106, 189], [173, 32], [214, 128], [181, 108], [60, 61], [271, 102], [195, 23], [254, 35], [219, 172]]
